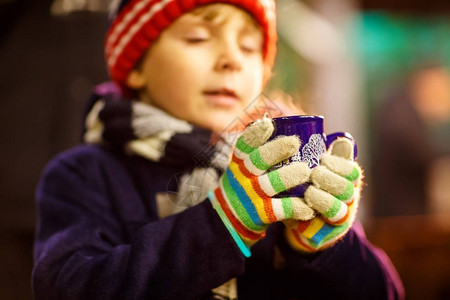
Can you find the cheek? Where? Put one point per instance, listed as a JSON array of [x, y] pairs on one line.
[[172, 80], [254, 80], [180, 72]]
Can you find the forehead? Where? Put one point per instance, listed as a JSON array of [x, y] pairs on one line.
[[221, 13]]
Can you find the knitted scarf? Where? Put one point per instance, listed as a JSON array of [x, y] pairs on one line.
[[139, 129]]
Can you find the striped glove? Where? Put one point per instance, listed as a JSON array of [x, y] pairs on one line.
[[334, 194], [244, 199]]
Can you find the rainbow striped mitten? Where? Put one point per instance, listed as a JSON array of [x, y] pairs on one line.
[[244, 199], [334, 194]]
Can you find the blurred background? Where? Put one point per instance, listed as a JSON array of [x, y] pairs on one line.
[[378, 69]]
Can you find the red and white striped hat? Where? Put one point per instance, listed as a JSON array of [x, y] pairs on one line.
[[137, 23]]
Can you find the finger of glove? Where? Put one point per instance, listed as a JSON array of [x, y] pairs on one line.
[[330, 182], [293, 208], [332, 209], [348, 169], [301, 211], [284, 178], [254, 136], [342, 147], [271, 153]]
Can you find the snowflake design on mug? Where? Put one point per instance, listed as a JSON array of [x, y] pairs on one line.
[[312, 151]]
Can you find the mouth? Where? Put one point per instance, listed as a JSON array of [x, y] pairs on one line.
[[222, 97]]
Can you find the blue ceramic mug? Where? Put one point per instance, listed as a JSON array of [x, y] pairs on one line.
[[314, 143]]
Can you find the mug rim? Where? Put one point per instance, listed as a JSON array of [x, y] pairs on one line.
[[299, 117]]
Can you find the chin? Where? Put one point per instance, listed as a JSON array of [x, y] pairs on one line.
[[222, 121], [216, 126]]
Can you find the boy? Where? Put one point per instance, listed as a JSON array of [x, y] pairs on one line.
[[107, 224]]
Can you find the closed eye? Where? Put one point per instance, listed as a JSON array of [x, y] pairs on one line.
[[249, 49], [250, 44], [196, 40], [196, 34]]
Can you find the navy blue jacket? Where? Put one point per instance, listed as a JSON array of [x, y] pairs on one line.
[[99, 237]]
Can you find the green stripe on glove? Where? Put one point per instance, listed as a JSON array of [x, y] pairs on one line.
[[334, 195]]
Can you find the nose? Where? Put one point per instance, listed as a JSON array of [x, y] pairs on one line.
[[229, 57]]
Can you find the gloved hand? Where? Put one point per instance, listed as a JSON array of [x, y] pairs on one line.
[[334, 194], [244, 199]]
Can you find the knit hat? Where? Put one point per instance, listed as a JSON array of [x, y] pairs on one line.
[[137, 23]]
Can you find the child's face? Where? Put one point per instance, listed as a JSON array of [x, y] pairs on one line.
[[203, 70]]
